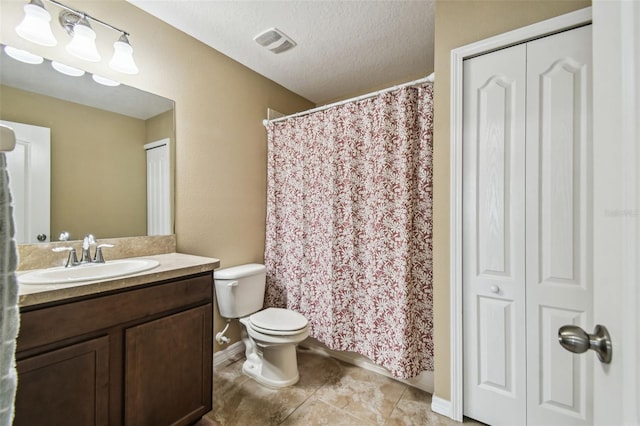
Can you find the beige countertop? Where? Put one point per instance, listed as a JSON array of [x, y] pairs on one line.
[[172, 265]]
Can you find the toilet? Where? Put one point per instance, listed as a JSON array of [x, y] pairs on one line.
[[270, 335]]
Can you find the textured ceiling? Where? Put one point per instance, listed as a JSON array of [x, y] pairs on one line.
[[343, 47]]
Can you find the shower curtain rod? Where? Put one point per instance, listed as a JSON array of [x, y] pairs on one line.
[[430, 78]]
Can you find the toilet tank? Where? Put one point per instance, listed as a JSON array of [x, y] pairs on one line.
[[240, 290]]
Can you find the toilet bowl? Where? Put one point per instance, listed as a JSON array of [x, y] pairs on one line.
[[270, 346], [270, 335]]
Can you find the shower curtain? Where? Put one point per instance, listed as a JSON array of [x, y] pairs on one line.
[[349, 226]]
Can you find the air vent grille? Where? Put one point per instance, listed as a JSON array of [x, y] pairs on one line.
[[274, 40]]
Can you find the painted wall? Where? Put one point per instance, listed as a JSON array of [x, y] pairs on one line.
[[221, 147], [98, 179], [461, 22]]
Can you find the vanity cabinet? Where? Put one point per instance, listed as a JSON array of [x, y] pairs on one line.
[[140, 356]]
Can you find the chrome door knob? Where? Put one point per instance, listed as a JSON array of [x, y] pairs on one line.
[[576, 340]]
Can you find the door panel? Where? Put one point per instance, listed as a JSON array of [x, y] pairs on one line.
[[496, 349], [493, 237], [558, 225], [29, 167], [561, 371]]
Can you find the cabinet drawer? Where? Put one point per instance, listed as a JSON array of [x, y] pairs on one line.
[[47, 325]]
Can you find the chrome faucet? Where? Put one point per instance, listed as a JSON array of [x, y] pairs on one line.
[[88, 241]]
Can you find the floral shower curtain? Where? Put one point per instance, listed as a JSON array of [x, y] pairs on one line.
[[349, 226]]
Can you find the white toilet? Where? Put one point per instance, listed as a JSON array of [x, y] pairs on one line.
[[270, 335]]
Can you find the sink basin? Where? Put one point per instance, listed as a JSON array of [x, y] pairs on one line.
[[87, 272]]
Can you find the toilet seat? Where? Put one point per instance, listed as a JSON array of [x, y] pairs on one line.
[[278, 322]]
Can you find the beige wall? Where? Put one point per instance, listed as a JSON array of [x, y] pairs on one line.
[[220, 141], [460, 22], [98, 180]]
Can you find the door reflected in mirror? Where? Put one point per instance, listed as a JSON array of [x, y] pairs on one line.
[[98, 133]]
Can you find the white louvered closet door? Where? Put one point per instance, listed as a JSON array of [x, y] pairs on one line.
[[526, 231]]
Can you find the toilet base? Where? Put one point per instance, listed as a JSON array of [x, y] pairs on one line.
[[273, 365], [253, 371]]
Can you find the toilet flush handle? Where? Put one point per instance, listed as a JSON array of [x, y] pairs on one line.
[[233, 284]]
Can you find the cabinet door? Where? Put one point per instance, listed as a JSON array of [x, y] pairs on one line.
[[168, 367], [68, 386]]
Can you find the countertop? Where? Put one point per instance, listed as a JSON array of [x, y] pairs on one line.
[[172, 265]]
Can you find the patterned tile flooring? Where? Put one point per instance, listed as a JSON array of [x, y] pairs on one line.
[[330, 392]]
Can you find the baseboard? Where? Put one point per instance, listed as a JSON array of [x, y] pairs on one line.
[[229, 355], [423, 381], [441, 406]]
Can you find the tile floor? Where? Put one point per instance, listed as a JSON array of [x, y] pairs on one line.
[[330, 392]]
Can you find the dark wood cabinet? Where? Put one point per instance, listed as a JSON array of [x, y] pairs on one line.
[[65, 386], [141, 356], [167, 379]]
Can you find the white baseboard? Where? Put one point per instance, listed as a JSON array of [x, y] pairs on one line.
[[423, 381], [227, 356], [441, 406]]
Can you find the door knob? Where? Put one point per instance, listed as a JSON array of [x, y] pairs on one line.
[[41, 237], [576, 340]]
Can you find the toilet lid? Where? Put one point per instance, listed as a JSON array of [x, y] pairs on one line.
[[277, 319]]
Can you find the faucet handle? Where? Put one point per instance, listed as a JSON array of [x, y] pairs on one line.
[[72, 260], [98, 258]]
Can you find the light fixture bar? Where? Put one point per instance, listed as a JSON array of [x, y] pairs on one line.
[[87, 16]]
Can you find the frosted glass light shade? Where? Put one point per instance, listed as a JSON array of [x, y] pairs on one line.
[[23, 55], [35, 25], [83, 43], [122, 60], [66, 69], [105, 81]]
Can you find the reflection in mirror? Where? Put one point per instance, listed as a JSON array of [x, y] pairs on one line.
[[98, 179]]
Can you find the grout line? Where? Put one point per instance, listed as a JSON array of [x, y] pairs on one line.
[[406, 389]]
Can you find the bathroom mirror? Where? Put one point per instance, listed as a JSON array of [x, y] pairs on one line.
[[98, 137]]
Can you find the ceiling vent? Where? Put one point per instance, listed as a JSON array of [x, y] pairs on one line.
[[274, 40]]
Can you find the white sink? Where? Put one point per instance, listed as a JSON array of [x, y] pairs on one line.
[[87, 272]]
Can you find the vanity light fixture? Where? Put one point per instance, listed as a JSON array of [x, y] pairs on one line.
[[83, 43], [35, 28], [122, 60]]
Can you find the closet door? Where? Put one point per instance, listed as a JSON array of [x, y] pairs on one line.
[[494, 237], [558, 226]]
